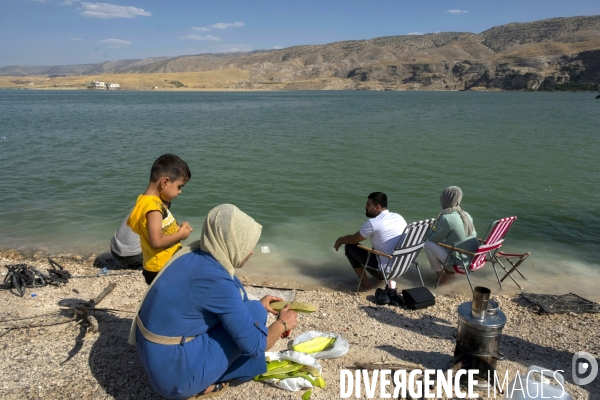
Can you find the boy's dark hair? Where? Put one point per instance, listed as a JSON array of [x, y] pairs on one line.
[[378, 199], [171, 166]]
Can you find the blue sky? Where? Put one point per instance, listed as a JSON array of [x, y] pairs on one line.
[[60, 32]]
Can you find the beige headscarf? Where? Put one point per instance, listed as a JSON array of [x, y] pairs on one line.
[[228, 234], [450, 201]]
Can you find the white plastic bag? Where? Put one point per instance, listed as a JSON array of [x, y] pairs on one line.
[[339, 348], [294, 384]]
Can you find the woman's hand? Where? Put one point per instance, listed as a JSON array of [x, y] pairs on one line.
[[286, 321], [267, 300], [289, 317]]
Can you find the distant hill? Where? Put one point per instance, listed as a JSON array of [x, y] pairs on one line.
[[83, 69], [547, 54]]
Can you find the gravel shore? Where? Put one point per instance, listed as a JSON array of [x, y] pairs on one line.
[[66, 361]]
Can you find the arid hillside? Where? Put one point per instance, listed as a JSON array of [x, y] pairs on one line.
[[551, 54]]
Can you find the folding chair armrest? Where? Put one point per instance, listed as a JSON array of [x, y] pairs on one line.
[[452, 248], [376, 252]]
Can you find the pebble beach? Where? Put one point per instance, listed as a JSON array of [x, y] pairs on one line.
[[66, 360]]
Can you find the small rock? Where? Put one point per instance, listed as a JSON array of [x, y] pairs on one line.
[[11, 254]]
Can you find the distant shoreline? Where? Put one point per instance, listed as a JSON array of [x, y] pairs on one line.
[[61, 89]]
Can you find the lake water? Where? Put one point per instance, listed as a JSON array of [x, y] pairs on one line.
[[303, 163]]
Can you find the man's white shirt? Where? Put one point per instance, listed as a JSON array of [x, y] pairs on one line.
[[384, 231]]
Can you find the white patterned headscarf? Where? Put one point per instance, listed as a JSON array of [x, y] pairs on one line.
[[229, 235], [450, 200]]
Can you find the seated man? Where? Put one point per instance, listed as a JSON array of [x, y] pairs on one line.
[[125, 246], [384, 228]]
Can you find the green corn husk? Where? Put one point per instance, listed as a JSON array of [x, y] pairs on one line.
[[274, 376], [311, 370], [284, 369], [277, 364], [296, 306], [307, 395], [318, 381], [292, 367]]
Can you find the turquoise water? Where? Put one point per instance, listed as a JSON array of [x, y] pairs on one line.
[[302, 164]]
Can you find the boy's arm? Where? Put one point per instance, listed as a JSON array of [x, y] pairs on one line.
[[155, 235]]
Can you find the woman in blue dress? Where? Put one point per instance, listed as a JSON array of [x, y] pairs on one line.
[[196, 329]]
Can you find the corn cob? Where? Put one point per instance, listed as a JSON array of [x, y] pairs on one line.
[[315, 345]]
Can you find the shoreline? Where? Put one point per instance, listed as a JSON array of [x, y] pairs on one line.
[[336, 275], [79, 364]]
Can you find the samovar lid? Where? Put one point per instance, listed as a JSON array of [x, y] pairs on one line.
[[494, 317]]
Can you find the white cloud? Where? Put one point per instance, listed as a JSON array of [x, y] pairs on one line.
[[106, 11], [198, 37], [234, 48], [68, 2], [278, 47], [415, 33], [200, 29], [456, 11], [115, 43], [76, 39], [225, 25]]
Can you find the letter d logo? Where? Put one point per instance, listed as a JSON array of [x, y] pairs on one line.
[[584, 364]]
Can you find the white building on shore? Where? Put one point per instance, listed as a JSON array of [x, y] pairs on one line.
[[94, 85]]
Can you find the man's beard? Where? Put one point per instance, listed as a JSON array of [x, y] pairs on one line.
[[370, 215]]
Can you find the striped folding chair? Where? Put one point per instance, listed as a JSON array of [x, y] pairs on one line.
[[411, 242], [488, 247]]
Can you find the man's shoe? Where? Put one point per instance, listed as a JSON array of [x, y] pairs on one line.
[[381, 296], [395, 298]]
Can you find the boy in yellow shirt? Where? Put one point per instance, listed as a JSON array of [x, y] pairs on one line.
[[160, 235]]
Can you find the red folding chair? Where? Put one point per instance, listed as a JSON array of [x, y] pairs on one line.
[[489, 245], [515, 259]]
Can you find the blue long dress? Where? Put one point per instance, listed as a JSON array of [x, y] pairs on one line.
[[195, 296]]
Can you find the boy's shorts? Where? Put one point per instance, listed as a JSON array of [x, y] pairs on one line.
[[132, 262], [149, 276]]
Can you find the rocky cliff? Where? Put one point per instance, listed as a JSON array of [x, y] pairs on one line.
[[518, 56]]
